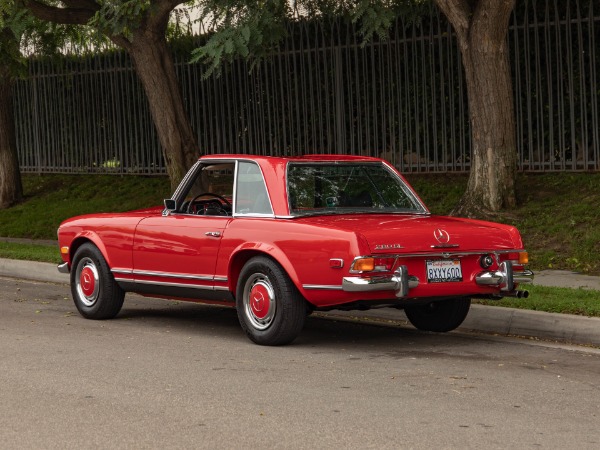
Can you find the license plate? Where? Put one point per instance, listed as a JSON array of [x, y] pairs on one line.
[[444, 271]]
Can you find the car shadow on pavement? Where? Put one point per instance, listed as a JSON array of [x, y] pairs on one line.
[[191, 318]]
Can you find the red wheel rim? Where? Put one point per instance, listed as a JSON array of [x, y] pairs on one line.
[[87, 281], [260, 301]]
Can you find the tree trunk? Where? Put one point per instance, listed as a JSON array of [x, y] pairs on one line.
[[156, 70], [481, 27], [147, 47], [11, 189]]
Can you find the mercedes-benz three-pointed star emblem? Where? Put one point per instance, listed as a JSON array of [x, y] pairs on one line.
[[441, 236]]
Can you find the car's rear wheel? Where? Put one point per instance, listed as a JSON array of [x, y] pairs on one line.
[[270, 308], [440, 316], [95, 292]]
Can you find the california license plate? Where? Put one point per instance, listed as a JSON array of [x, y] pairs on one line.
[[444, 271]]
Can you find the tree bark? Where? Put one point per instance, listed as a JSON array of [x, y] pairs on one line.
[[11, 188], [155, 68], [481, 27]]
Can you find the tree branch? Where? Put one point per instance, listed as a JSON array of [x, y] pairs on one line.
[[89, 4], [459, 13], [67, 16], [159, 13]]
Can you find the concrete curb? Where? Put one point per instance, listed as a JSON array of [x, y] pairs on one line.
[[487, 319], [501, 321], [32, 270]]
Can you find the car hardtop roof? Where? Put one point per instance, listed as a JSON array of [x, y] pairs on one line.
[[284, 159]]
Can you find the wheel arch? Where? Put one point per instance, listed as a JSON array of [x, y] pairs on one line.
[[243, 254], [88, 238]]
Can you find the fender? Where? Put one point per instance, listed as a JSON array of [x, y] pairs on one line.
[[89, 236], [237, 261]]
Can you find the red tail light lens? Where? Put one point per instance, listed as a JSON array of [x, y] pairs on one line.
[[370, 264]]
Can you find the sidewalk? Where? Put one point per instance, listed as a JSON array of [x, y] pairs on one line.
[[485, 319]]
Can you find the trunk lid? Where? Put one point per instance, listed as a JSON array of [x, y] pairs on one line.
[[408, 233]]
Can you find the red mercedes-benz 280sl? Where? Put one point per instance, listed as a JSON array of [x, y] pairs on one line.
[[280, 237]]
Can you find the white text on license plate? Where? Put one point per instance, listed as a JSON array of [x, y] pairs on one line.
[[444, 271]]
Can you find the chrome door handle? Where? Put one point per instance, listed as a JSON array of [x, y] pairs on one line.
[[213, 233]]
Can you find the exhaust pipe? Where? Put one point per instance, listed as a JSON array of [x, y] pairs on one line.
[[516, 294]]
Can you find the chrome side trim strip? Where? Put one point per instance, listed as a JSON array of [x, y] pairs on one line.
[[125, 280], [184, 276], [180, 285], [327, 287], [183, 285], [448, 254], [220, 288]]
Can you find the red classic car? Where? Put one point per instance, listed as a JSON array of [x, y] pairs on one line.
[[281, 237]]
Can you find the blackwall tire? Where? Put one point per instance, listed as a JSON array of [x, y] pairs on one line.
[[440, 316], [95, 292], [270, 309]]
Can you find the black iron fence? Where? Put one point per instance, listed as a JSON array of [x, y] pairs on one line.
[[323, 92]]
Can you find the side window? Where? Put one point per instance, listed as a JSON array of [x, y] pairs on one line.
[[251, 192], [211, 192]]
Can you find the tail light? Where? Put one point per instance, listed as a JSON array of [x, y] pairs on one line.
[[518, 259], [370, 264]]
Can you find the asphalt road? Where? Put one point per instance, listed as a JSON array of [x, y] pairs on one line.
[[176, 375]]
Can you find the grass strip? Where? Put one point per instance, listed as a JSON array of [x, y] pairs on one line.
[[30, 252], [581, 302]]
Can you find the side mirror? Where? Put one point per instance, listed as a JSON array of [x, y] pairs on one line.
[[170, 206]]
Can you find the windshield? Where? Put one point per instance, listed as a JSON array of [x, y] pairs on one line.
[[334, 188]]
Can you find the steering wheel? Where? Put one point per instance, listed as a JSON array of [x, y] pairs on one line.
[[223, 199]]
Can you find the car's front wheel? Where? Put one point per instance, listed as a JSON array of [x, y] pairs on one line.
[[95, 292], [270, 309], [440, 316]]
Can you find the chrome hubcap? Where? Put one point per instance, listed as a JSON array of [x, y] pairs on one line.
[[86, 281], [259, 301]]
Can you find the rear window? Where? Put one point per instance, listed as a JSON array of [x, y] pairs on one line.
[[326, 188]]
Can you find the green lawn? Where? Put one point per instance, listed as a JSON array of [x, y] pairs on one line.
[[30, 252], [584, 302], [558, 216]]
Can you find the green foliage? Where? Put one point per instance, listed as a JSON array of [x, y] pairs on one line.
[[253, 29], [244, 29], [584, 302], [13, 26], [22, 35], [50, 199], [376, 17], [119, 17]]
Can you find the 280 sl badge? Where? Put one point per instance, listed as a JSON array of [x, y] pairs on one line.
[[387, 246]]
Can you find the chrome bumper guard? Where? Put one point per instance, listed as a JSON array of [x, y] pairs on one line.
[[63, 268], [400, 282], [504, 277]]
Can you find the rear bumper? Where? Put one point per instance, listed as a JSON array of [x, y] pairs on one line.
[[400, 282], [504, 278]]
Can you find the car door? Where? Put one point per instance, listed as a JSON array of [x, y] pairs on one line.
[[175, 254], [178, 251]]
